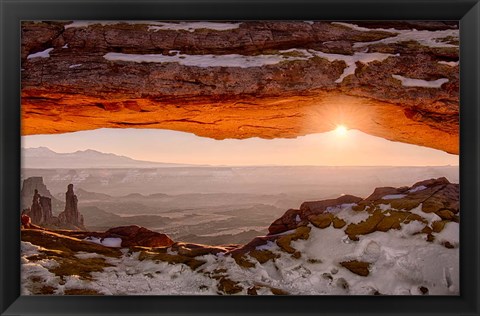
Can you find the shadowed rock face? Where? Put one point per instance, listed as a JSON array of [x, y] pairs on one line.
[[46, 204], [36, 209], [29, 186], [139, 236], [325, 74], [71, 215], [40, 211]]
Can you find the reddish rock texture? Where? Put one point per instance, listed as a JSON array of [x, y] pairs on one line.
[[437, 196], [286, 99], [139, 236], [26, 221], [294, 218], [434, 194], [134, 236], [318, 207]]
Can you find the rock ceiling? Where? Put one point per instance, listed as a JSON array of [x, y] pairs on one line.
[[396, 80]]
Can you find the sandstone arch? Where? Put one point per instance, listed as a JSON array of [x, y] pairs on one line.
[[96, 75]]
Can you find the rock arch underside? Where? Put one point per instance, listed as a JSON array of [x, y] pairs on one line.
[[396, 80]]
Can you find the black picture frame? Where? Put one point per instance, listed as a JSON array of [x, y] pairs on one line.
[[13, 11]]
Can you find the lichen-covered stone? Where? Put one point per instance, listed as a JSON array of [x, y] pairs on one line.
[[321, 220], [338, 223], [284, 241], [357, 267]]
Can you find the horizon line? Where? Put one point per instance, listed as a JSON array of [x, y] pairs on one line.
[[247, 166], [205, 165]]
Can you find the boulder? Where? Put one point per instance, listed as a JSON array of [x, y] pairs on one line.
[[387, 207], [307, 213], [321, 220], [290, 220], [378, 193], [357, 267], [26, 221], [446, 198], [317, 207], [139, 236], [434, 194]]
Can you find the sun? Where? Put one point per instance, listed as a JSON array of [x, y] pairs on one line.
[[341, 130]]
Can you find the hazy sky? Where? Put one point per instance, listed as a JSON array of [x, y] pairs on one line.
[[335, 148]]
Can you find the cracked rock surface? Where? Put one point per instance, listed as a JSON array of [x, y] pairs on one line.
[[396, 80]]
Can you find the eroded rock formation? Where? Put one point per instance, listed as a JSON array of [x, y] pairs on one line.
[[46, 205], [396, 80], [29, 186], [32, 184], [40, 211], [71, 215], [36, 212]]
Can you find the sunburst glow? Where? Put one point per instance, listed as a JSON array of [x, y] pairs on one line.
[[341, 130]]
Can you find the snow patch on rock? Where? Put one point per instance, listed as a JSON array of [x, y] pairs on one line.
[[156, 25], [417, 189], [450, 233], [423, 37], [449, 63], [351, 61], [42, 54], [229, 60], [193, 26], [393, 196], [107, 242], [244, 61], [410, 82], [430, 217]]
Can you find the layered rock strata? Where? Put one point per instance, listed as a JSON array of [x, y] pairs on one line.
[[246, 79]]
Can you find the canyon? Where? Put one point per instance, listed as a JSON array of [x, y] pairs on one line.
[[139, 227], [397, 241]]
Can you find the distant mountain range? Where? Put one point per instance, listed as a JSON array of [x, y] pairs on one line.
[[45, 158]]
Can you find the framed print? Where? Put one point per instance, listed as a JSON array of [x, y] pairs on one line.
[[239, 157]]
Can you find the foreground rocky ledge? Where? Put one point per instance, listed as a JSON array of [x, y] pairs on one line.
[[248, 79], [397, 241]]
